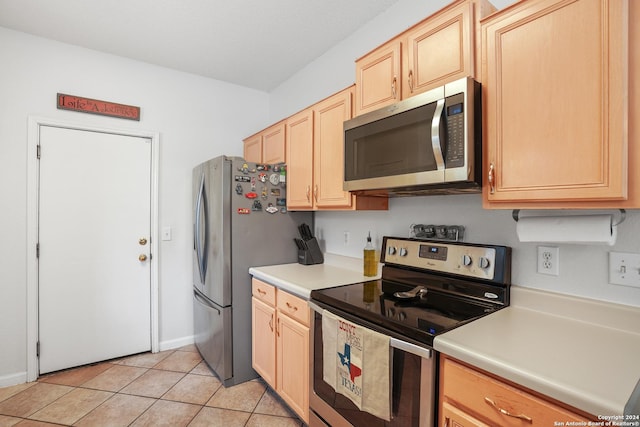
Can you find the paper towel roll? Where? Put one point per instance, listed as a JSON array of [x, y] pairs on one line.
[[585, 229]]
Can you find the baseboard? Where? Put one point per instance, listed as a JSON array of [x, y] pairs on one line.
[[176, 343], [13, 379]]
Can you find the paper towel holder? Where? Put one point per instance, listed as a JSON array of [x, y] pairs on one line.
[[623, 215]]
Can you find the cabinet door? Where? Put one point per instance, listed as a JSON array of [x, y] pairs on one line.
[[439, 50], [378, 79], [299, 137], [293, 365], [328, 153], [555, 89], [454, 417], [273, 144], [253, 148], [263, 341]]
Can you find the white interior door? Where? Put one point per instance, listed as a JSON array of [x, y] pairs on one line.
[[94, 275]]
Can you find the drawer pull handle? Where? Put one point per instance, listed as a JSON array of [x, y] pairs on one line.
[[292, 307], [261, 292], [507, 413]]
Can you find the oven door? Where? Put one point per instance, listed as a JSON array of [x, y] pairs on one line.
[[413, 384]]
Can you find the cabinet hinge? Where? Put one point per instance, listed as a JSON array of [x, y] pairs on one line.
[[37, 250], [38, 349], [38, 151]]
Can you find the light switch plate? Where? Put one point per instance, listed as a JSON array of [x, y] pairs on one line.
[[624, 269]]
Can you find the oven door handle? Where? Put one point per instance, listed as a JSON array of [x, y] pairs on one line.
[[425, 353]]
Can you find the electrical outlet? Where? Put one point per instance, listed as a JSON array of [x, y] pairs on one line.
[[549, 260], [624, 269], [347, 235]]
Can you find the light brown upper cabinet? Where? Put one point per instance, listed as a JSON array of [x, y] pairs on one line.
[[560, 113], [267, 146], [315, 168], [437, 50], [299, 131], [378, 79]]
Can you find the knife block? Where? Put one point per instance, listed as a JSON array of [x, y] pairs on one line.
[[312, 254]]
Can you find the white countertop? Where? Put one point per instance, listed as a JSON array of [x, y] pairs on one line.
[[582, 352], [301, 279]]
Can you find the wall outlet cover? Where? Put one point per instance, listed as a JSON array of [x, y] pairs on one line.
[[549, 260]]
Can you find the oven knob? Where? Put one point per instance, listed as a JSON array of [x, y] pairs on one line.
[[391, 312], [484, 262], [403, 251], [391, 250], [466, 260], [402, 315]]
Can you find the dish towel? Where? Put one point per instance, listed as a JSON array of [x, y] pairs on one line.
[[356, 363]]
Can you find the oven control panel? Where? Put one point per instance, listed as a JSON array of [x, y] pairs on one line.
[[468, 260]]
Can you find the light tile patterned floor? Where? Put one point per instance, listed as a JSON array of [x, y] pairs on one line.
[[171, 388]]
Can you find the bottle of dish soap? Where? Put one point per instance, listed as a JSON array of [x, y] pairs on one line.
[[370, 263]]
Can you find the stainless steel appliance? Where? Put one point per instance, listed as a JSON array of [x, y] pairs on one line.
[[240, 220], [427, 144], [427, 288]]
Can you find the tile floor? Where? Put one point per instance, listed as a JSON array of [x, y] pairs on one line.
[[171, 388]]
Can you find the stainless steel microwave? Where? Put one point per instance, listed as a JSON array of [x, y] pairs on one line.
[[430, 143]]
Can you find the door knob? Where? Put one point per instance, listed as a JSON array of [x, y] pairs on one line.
[[142, 257], [142, 241]]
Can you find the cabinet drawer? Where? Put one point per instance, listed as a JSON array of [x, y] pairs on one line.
[[294, 307], [489, 399], [263, 291]]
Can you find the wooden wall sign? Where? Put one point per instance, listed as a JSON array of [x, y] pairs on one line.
[[95, 106]]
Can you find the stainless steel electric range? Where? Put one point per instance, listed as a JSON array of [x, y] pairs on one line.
[[427, 288]]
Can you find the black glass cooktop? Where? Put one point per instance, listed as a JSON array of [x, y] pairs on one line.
[[420, 318]]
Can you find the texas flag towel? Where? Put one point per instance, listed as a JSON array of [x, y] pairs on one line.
[[356, 364]]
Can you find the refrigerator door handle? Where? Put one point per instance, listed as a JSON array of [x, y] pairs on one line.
[[201, 214]]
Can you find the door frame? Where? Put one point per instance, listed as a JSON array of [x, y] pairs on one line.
[[33, 138]]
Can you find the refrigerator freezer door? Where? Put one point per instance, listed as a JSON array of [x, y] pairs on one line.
[[213, 335]]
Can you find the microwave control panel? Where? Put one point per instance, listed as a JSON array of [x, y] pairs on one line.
[[454, 112]]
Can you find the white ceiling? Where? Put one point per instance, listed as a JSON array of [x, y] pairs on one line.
[[253, 43]]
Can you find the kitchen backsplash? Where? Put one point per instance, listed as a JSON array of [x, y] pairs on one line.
[[583, 268]]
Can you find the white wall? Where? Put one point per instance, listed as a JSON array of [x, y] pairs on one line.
[[583, 269], [197, 118]]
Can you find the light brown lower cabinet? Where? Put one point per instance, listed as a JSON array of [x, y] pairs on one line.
[[470, 397], [280, 344]]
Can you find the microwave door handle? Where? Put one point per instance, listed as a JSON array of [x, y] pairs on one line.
[[436, 143]]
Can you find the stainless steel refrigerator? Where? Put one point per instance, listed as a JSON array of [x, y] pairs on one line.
[[240, 221]]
